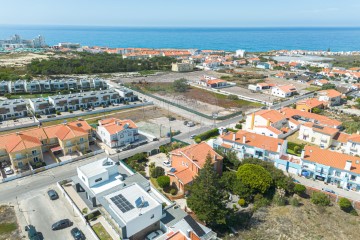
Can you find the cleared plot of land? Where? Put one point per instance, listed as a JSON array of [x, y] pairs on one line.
[[21, 59], [8, 224], [304, 222], [346, 61]]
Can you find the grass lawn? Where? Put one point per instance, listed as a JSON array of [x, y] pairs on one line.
[[101, 232], [26, 95], [6, 228], [313, 88]]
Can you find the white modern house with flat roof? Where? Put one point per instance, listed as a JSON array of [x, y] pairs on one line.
[[13, 108]]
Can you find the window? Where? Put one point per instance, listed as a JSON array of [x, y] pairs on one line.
[[152, 216], [33, 152], [121, 135], [81, 139], [83, 178], [352, 177], [353, 145], [98, 180], [337, 174]]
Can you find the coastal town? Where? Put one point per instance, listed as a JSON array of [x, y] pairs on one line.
[[180, 150]]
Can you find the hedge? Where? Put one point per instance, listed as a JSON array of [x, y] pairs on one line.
[[208, 134]]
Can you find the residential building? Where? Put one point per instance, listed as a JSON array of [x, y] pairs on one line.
[[263, 65], [309, 104], [185, 66], [240, 53], [270, 123], [126, 94], [303, 117], [32, 86], [330, 96], [352, 145], [73, 137], [186, 163], [41, 106], [5, 87], [85, 84], [316, 134], [212, 82], [116, 133], [13, 108], [18, 86], [251, 145], [283, 91], [45, 86], [332, 167]]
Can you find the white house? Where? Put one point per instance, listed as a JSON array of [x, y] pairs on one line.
[[330, 96], [116, 133], [283, 91], [13, 108]]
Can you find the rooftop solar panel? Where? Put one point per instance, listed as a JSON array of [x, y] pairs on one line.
[[122, 203]]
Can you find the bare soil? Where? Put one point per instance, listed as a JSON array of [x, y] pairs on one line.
[[9, 229]]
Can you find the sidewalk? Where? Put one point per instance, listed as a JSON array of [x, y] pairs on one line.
[[320, 185]]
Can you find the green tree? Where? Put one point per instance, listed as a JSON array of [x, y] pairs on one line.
[[299, 189], [345, 205], [157, 172], [163, 181], [316, 110], [180, 85], [255, 177], [228, 180], [320, 198], [206, 196]]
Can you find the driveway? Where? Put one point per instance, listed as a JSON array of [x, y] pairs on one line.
[[158, 160], [41, 212]]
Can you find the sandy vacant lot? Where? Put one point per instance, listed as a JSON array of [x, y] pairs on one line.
[[21, 59]]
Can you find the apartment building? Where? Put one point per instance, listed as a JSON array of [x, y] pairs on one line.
[[18, 86], [85, 100], [126, 94], [188, 161], [251, 145], [13, 108], [32, 86], [332, 167], [5, 87], [117, 133], [270, 123]]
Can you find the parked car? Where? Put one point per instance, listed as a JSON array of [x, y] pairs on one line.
[[328, 190], [32, 233], [186, 122], [77, 234], [53, 194], [167, 163], [193, 136], [172, 119], [154, 235], [64, 223], [8, 171], [190, 124]]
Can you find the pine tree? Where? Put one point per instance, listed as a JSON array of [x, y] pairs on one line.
[[206, 196]]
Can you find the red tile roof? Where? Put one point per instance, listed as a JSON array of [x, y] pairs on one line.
[[270, 114], [113, 125]]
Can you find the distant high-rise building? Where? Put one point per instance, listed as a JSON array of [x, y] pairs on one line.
[[240, 53]]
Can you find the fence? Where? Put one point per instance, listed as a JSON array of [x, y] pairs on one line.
[[188, 109]]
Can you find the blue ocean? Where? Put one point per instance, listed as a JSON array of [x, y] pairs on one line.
[[250, 39]]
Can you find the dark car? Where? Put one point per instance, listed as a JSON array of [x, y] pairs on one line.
[[32, 233], [53, 194], [64, 223], [77, 234]]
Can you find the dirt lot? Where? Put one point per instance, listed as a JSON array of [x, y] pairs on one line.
[[8, 224], [304, 222], [21, 59]]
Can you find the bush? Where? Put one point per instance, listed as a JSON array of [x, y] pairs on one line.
[[345, 205], [173, 191], [85, 210], [163, 181], [7, 95], [233, 97], [294, 202], [279, 198], [198, 140], [299, 189], [58, 113], [37, 116], [320, 198], [208, 134], [241, 202], [157, 172], [297, 149], [238, 126]]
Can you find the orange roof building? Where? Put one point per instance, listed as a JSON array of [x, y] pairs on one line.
[[309, 104], [189, 160], [117, 133]]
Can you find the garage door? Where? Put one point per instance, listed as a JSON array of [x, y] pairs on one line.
[[281, 167], [293, 170]]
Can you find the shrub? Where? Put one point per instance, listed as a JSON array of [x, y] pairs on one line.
[[297, 149], [241, 202], [58, 113], [7, 95], [85, 210], [90, 216], [299, 189], [345, 204], [238, 126], [208, 134], [173, 191], [198, 140], [279, 198], [233, 97], [294, 202], [320, 198], [354, 212], [163, 181], [157, 172]]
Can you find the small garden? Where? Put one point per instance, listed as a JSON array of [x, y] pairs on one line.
[[161, 181], [138, 162], [294, 148], [207, 135]]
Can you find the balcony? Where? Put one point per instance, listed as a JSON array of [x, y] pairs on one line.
[[353, 149]]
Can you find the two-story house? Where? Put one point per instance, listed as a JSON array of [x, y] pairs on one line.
[[186, 163], [332, 167], [73, 137], [283, 91], [5, 87], [18, 86], [13, 108], [41, 106], [321, 136], [32, 86], [330, 96], [116, 133], [308, 105]]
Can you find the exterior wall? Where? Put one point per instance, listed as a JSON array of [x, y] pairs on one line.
[[122, 138], [319, 139], [22, 158], [75, 144], [279, 93], [303, 107], [352, 148], [143, 221]]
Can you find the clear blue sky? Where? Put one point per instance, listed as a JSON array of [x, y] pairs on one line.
[[222, 13]]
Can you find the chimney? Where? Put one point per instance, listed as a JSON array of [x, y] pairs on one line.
[[268, 123], [244, 139], [348, 166], [278, 147], [252, 120], [303, 153], [234, 137], [17, 133], [188, 233]]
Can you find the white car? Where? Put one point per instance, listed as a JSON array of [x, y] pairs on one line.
[[167, 163], [8, 171], [193, 136], [154, 235]]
